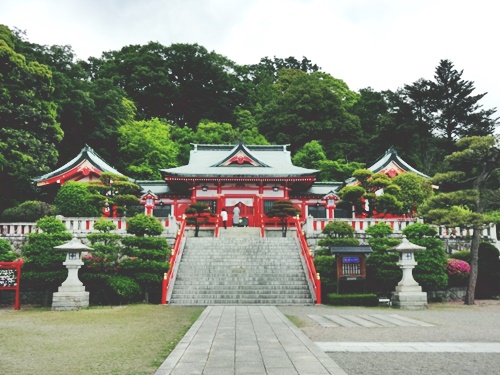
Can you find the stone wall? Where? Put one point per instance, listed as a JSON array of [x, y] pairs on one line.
[[447, 295]]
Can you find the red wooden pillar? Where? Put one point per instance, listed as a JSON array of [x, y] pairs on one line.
[[193, 193]]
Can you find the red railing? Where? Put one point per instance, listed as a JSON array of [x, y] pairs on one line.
[[312, 275], [174, 261]]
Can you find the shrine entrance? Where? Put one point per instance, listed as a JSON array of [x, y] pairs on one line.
[[247, 210]]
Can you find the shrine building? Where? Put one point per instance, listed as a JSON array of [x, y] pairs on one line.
[[253, 176]]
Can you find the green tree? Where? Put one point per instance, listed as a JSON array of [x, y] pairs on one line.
[[73, 200], [146, 147], [414, 190], [337, 170], [208, 132], [310, 155], [43, 268], [284, 210], [29, 211], [459, 113], [113, 193], [466, 191], [304, 107], [29, 132], [146, 262], [182, 83], [197, 213], [246, 128]]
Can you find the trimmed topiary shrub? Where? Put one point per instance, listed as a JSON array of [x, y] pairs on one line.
[[29, 211], [73, 200], [338, 229], [6, 253], [382, 273], [379, 230], [430, 271], [488, 274], [142, 225], [43, 269]]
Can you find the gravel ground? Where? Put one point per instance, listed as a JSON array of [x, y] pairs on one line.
[[453, 322]]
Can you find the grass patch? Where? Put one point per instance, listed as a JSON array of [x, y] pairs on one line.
[[132, 339]]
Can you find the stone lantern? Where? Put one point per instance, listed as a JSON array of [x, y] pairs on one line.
[[408, 295], [71, 294]]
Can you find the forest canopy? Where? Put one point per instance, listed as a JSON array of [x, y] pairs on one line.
[[141, 106]]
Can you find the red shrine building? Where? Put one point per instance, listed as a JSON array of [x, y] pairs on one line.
[[223, 176]]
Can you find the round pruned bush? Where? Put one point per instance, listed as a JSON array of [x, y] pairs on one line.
[[29, 211], [73, 200], [488, 274], [382, 273], [125, 287], [142, 225], [338, 229], [6, 253], [379, 230], [458, 272]]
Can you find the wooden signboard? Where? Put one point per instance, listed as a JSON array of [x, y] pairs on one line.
[[351, 266], [10, 276]]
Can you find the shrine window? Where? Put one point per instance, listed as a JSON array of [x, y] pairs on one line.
[[267, 205], [162, 211], [317, 212]]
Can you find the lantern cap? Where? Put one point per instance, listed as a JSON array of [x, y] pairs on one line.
[[74, 245], [406, 247]]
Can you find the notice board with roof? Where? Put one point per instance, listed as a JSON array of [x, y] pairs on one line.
[[351, 267]]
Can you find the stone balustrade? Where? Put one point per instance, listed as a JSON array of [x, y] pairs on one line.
[[314, 226], [81, 225]]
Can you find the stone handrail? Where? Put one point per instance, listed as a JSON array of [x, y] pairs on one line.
[[81, 225]]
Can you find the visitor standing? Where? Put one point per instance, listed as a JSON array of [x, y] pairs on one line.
[[236, 215], [223, 216]]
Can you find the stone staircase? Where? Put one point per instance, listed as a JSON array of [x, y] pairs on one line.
[[240, 269]]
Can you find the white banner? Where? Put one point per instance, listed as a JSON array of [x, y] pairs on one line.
[[233, 201]]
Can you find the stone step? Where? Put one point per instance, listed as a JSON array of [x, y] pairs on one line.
[[202, 282], [242, 278], [250, 288], [241, 271], [242, 301]]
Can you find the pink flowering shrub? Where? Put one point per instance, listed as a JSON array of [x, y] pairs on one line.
[[458, 272]]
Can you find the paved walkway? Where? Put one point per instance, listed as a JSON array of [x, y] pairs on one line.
[[246, 340]]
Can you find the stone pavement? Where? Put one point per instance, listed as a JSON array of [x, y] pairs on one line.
[[246, 340]]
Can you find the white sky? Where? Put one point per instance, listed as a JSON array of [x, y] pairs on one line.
[[379, 43]]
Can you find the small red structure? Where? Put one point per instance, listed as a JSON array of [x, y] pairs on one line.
[[10, 277]]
